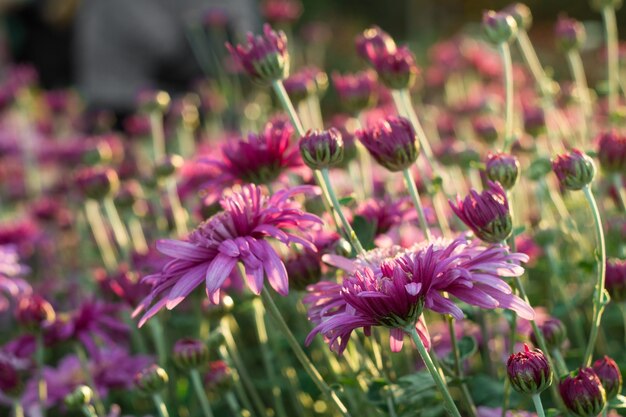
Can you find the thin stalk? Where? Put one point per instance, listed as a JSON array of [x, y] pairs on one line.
[[160, 405], [137, 236], [156, 331], [233, 404], [308, 366], [158, 135], [409, 181], [354, 240], [598, 302], [513, 328], [578, 74], [530, 56], [178, 212], [266, 355], [97, 400], [538, 405], [198, 387], [18, 409], [505, 54], [620, 191], [466, 397], [119, 230], [42, 388], [610, 27], [365, 161], [402, 101], [284, 99], [439, 381], [561, 366], [622, 308], [605, 411], [92, 212]]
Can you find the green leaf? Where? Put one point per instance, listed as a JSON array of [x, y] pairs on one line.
[[539, 168], [552, 412], [467, 347], [365, 231], [346, 201], [519, 230], [618, 402]]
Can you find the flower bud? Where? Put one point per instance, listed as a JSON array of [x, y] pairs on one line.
[[99, 152], [190, 354], [374, 42], [78, 398], [575, 170], [130, 191], [534, 120], [615, 282], [486, 213], [11, 382], [522, 15], [612, 152], [34, 311], [356, 91], [265, 57], [97, 182], [529, 371], [503, 168], [582, 393], [392, 143], [570, 34], [152, 379], [487, 127], [397, 70], [553, 331], [303, 269], [299, 86], [610, 376], [168, 166], [322, 149], [153, 101], [500, 27]]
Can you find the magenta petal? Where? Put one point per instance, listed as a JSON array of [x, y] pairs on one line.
[[275, 270], [254, 278], [152, 311], [186, 284], [218, 271], [182, 250], [396, 339]]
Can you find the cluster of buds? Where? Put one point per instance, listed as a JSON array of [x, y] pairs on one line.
[[392, 143], [575, 170], [529, 371], [322, 149]]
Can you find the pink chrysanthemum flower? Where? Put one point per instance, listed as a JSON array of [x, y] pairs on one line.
[[394, 291], [260, 159], [238, 234]]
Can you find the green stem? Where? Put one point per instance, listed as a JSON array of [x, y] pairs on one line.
[[266, 355], [505, 53], [158, 135], [470, 407], [160, 405], [620, 191], [531, 59], [578, 73], [233, 404], [156, 331], [409, 110], [354, 240], [441, 384], [409, 181], [198, 387], [285, 101], [598, 302], [561, 366], [605, 411], [84, 364], [610, 26], [89, 411], [538, 405], [94, 218], [42, 388], [18, 410], [622, 308], [178, 212], [119, 230], [308, 366]]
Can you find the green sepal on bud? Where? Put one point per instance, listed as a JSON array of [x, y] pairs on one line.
[[499, 27], [152, 379], [79, 398], [322, 149]]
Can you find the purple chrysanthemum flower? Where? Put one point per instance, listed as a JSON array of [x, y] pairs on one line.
[[265, 58], [260, 159], [386, 213], [486, 213], [392, 143], [238, 234], [394, 291]]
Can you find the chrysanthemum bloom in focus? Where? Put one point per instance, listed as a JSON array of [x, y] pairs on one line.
[[265, 57], [238, 234], [612, 152], [529, 371], [582, 393], [575, 169], [486, 213], [395, 291], [392, 143], [374, 42], [260, 159]]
